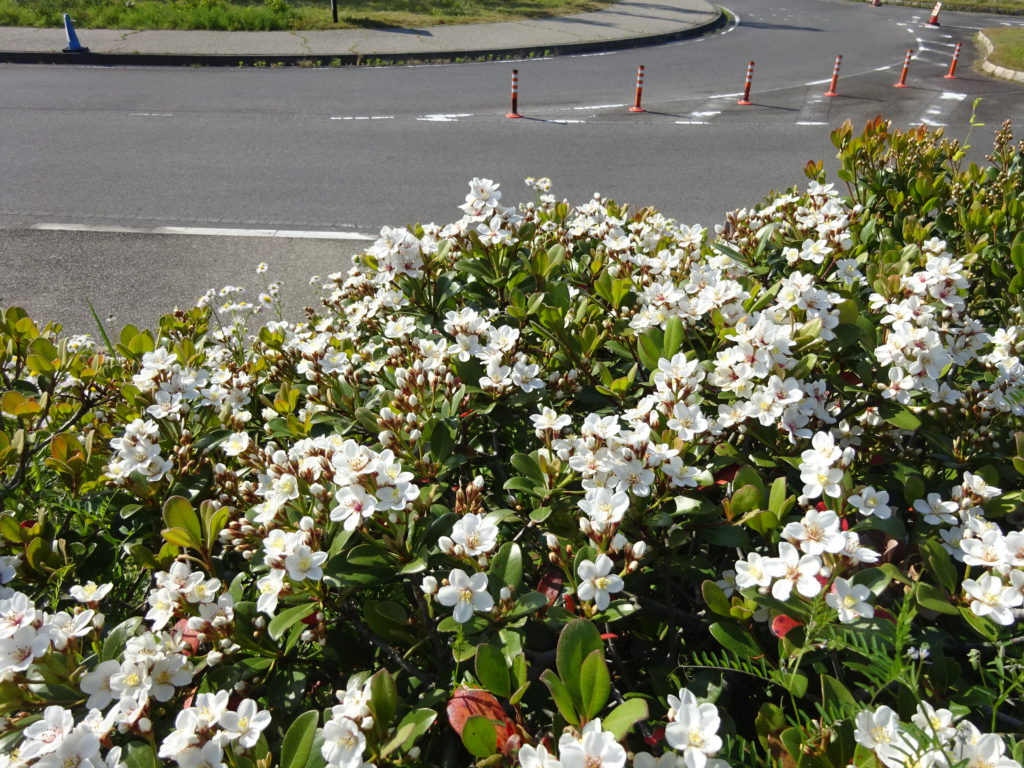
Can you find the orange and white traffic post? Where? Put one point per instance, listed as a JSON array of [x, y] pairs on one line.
[[903, 75], [835, 77], [515, 95], [951, 75], [639, 90], [934, 20], [746, 85]]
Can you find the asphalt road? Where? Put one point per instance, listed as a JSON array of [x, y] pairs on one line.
[[355, 149]]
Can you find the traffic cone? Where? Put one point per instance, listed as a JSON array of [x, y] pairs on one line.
[[934, 20], [73, 45], [876, 3]]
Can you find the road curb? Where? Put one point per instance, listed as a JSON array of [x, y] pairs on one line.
[[1003, 73], [355, 59]]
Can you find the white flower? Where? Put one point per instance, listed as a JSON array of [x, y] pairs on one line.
[[96, 684], [304, 563], [872, 502], [19, 650], [236, 444], [210, 755], [937, 722], [343, 743], [269, 588], [817, 532], [596, 748], [537, 757], [44, 736], [604, 507], [792, 570], [354, 506], [476, 535], [876, 728], [595, 582], [695, 730], [990, 597], [90, 592], [752, 572], [246, 723], [466, 593], [850, 600]]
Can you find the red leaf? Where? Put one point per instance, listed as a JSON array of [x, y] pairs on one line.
[[609, 636], [782, 625], [726, 474], [655, 737], [881, 613], [550, 586], [188, 636], [469, 702], [850, 377]]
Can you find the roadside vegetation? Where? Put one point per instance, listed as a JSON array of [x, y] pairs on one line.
[[1007, 47], [550, 486], [279, 14]]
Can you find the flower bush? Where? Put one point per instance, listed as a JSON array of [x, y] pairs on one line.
[[547, 486]]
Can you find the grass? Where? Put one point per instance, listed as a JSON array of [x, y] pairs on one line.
[[1008, 47], [261, 15]]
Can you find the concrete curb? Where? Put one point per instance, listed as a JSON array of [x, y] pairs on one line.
[[994, 69], [360, 59]]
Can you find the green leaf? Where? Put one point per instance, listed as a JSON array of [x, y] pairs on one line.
[[561, 696], [777, 496], [578, 640], [298, 741], [506, 568], [621, 720], [837, 697], [673, 337], [283, 621], [715, 598], [934, 599], [746, 499], [735, 638], [492, 671], [115, 642], [178, 513], [939, 563], [383, 698], [531, 602], [138, 754], [479, 736], [421, 720], [595, 684]]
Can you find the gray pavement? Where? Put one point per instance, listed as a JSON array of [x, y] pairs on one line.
[[625, 24]]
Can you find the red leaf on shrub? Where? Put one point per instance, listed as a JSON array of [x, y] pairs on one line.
[[550, 585], [468, 702], [656, 736], [726, 474], [881, 613], [821, 506], [782, 625], [188, 636], [609, 636], [850, 377]]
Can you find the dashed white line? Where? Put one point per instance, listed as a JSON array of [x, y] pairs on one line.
[[151, 114], [364, 117], [600, 106], [205, 231], [444, 118], [706, 114], [809, 122], [692, 122]]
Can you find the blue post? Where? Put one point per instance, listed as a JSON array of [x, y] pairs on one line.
[[73, 45]]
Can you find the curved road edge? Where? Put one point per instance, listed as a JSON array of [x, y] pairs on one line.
[[628, 40]]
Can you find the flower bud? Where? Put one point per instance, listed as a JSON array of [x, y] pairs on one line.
[[428, 585], [505, 594]]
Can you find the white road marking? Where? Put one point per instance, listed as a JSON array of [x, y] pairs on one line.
[[365, 117], [809, 122], [151, 114], [950, 96], [561, 121], [711, 113], [205, 231], [449, 118], [692, 122], [600, 106]]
